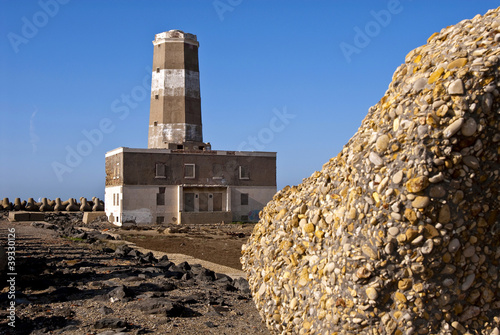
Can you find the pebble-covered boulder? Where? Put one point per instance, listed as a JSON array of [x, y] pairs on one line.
[[400, 232]]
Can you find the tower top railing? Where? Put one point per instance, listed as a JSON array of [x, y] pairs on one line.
[[175, 36]]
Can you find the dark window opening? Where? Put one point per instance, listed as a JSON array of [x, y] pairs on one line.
[[160, 170], [156, 96], [157, 70], [180, 146], [160, 219], [160, 199], [203, 202], [243, 172], [217, 171], [217, 207], [244, 199], [189, 202], [189, 170]]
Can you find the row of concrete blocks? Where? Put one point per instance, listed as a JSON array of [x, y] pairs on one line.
[[47, 205]]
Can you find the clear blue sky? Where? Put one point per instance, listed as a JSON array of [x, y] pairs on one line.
[[65, 69]]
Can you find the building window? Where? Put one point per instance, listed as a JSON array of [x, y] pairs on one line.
[[156, 96], [114, 200], [157, 70], [160, 171], [117, 199], [160, 197], [189, 171], [160, 219], [155, 123], [188, 202], [244, 199], [217, 202], [243, 172], [217, 171], [116, 171], [203, 202]]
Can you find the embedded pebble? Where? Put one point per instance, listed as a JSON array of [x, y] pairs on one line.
[[456, 87], [375, 159], [398, 177], [469, 127], [371, 293], [394, 231], [427, 247], [454, 245], [468, 282], [398, 233], [421, 202], [453, 128]]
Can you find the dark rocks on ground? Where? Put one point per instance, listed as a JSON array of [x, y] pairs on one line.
[[104, 310], [242, 285], [121, 293], [122, 250], [110, 323], [161, 306]]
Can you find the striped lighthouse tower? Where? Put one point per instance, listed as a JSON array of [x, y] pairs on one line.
[[175, 113]]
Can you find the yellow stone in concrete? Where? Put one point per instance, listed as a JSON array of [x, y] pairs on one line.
[[432, 36], [417, 184], [435, 75], [281, 214], [400, 297], [411, 234], [431, 231], [447, 257], [369, 251], [309, 228], [457, 63], [418, 287], [404, 284]]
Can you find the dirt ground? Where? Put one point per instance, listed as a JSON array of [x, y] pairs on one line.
[[216, 243], [71, 279]]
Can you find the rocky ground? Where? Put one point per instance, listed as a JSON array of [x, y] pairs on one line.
[[74, 280]]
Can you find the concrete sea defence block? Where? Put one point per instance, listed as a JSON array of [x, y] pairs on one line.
[[26, 216], [91, 216]]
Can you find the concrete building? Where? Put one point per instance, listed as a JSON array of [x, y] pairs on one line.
[[179, 178]]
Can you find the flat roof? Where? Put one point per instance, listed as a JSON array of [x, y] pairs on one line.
[[191, 152]]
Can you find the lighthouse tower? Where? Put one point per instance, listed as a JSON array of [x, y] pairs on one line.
[[175, 113]]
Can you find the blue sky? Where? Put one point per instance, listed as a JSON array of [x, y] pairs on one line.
[[67, 65]]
